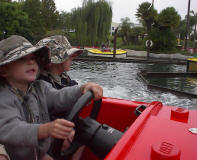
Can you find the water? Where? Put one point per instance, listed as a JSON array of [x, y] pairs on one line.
[[120, 80]]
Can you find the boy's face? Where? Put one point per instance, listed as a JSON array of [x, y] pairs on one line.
[[22, 71], [59, 68], [67, 63]]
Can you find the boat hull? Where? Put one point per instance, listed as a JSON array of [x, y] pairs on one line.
[[97, 52]]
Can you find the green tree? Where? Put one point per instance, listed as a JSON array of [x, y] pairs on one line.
[[163, 39], [169, 18], [166, 22], [104, 21], [49, 14], [65, 21], [136, 35], [80, 26], [180, 30], [92, 22], [12, 19], [5, 1], [146, 15], [36, 26], [125, 30]]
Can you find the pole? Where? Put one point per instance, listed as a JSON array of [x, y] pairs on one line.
[[148, 50], [115, 37], [187, 28], [194, 37], [4, 34]]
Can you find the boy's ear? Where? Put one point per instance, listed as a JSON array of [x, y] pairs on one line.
[[3, 72]]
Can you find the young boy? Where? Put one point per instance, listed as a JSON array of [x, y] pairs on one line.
[[25, 126], [62, 55], [55, 73]]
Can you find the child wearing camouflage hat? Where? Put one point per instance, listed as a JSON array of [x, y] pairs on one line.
[[62, 55], [25, 127], [55, 73]]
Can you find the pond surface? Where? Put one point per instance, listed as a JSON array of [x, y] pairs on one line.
[[120, 80]]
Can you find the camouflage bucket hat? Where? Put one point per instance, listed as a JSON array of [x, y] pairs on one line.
[[16, 47], [60, 48]]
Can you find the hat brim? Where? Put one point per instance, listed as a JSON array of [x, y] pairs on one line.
[[72, 51], [22, 53]]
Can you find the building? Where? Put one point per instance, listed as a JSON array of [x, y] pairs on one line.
[[114, 25]]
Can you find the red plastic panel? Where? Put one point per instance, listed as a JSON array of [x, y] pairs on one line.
[[117, 113], [157, 135], [165, 151]]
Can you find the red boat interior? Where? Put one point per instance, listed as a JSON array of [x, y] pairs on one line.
[[117, 113], [160, 132]]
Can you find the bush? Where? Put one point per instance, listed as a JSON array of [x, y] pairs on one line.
[[163, 39]]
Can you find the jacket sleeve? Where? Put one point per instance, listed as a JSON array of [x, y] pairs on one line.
[[13, 128], [62, 99]]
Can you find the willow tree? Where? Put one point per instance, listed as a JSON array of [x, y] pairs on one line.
[[80, 26], [105, 20], [65, 21], [92, 22]]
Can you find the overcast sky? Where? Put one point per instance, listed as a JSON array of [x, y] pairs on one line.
[[128, 8]]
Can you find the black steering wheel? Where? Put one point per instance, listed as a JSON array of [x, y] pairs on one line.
[[74, 117]]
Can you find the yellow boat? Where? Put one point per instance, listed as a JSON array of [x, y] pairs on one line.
[[192, 65], [107, 53]]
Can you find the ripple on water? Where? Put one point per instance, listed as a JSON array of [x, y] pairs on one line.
[[120, 80]]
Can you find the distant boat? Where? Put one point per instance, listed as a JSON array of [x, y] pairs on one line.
[[107, 53], [192, 64]]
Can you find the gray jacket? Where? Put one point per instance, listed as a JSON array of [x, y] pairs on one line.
[[19, 136]]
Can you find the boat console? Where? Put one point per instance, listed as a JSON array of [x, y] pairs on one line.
[[119, 129]]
